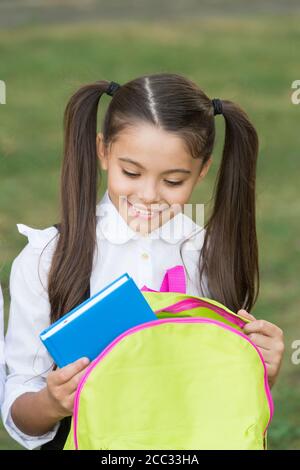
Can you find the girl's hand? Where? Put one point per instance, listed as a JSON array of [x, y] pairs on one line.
[[62, 384], [269, 340]]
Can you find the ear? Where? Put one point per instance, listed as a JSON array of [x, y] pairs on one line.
[[204, 170], [101, 151]]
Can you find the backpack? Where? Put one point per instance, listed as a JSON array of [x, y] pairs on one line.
[[189, 380]]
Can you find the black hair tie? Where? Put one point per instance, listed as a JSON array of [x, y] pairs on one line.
[[112, 88], [217, 105]]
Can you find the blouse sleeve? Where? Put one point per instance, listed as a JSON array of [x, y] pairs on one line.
[[2, 363], [28, 362]]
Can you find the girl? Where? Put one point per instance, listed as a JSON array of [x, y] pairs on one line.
[[156, 146], [2, 362]]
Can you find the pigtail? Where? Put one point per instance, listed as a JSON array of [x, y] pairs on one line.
[[71, 267], [230, 250]]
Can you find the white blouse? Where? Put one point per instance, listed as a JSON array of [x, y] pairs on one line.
[[119, 250]]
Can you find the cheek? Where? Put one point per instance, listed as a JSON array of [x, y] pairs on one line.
[[178, 195], [118, 183]]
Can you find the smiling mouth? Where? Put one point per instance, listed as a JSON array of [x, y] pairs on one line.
[[146, 214]]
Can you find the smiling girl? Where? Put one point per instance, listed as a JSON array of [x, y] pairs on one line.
[[156, 145]]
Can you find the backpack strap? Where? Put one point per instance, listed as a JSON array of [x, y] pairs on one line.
[[60, 437], [173, 281]]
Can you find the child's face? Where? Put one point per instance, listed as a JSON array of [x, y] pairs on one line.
[[142, 181]]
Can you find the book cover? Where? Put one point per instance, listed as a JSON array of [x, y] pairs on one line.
[[87, 329]]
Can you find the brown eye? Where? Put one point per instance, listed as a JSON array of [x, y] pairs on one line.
[[174, 183], [132, 175]]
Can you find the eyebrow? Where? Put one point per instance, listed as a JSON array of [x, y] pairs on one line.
[[176, 170]]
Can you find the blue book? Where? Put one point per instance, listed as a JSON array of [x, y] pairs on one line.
[[87, 329]]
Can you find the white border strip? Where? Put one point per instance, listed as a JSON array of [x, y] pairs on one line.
[[84, 308]]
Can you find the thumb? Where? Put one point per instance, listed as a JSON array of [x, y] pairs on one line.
[[246, 315]]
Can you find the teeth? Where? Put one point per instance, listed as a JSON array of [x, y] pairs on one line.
[[147, 212], [140, 211], [143, 212]]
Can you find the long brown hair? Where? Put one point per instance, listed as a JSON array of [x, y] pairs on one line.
[[229, 257]]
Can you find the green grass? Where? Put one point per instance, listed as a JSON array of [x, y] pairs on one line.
[[251, 61]]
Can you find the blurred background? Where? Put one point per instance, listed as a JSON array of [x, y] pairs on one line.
[[244, 51]]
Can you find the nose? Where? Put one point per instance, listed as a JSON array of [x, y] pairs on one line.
[[148, 193]]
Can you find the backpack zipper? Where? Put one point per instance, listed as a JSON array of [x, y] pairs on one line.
[[188, 304]]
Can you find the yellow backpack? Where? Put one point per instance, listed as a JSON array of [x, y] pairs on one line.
[[189, 380]]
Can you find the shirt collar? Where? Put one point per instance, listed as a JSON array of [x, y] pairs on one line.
[[112, 226]]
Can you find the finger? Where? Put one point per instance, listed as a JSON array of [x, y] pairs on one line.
[[72, 385], [271, 372], [267, 356], [262, 341], [263, 327], [72, 399], [69, 403], [66, 373], [246, 315]]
